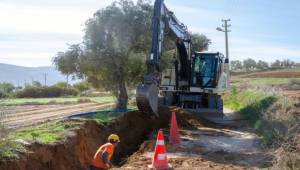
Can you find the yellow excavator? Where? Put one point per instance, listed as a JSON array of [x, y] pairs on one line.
[[195, 80]]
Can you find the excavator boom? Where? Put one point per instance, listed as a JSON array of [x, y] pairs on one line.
[[163, 21]]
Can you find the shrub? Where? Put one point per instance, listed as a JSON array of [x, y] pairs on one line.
[[2, 94], [62, 85], [51, 91], [82, 86], [84, 100], [7, 87]]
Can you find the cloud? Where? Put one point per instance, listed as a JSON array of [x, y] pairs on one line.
[[30, 59], [32, 32]]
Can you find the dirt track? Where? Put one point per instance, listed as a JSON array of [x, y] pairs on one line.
[[207, 148], [29, 115]]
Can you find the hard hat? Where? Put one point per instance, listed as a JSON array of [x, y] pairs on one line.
[[114, 137]]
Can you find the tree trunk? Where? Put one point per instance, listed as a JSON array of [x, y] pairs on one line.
[[122, 96]]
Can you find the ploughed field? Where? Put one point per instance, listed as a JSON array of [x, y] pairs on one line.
[[27, 115]]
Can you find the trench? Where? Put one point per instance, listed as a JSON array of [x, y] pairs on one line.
[[80, 144]]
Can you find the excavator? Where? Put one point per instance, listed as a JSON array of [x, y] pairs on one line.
[[194, 81]]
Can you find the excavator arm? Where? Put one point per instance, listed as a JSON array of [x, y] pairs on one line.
[[164, 22]]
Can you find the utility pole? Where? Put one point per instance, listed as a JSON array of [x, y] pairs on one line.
[[225, 26], [45, 78], [32, 80]]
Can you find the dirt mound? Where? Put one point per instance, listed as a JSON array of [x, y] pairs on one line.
[[77, 149]]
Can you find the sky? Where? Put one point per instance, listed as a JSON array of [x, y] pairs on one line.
[[32, 32]]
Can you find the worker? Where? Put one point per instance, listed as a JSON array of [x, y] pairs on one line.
[[102, 157]]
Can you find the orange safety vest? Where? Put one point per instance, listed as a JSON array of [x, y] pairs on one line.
[[97, 160]]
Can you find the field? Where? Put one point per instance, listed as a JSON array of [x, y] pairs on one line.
[[283, 82], [60, 100]]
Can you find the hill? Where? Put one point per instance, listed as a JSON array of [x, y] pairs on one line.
[[19, 75]]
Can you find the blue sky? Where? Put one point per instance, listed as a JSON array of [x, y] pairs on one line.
[[32, 32]]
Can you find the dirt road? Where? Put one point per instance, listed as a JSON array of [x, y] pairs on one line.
[[29, 115]]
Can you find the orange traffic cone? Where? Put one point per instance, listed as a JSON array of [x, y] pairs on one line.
[[174, 137], [160, 160]]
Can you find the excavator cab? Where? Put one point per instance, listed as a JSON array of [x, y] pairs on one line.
[[206, 69]]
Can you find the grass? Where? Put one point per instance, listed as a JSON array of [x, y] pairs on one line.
[[10, 150], [52, 132], [47, 133], [267, 113], [252, 105], [60, 100]]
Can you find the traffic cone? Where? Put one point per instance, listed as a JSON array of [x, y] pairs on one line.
[[174, 137], [160, 160]]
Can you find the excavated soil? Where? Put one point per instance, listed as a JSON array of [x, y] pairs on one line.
[[77, 149], [206, 148]]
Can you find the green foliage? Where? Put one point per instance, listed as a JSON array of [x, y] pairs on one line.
[[62, 85], [262, 65], [200, 42], [236, 65], [36, 84], [6, 89], [261, 110], [46, 133], [2, 94], [9, 150], [114, 49], [51, 91], [249, 64], [82, 86]]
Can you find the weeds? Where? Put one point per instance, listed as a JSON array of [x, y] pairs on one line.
[[295, 82], [276, 118], [8, 148], [287, 156]]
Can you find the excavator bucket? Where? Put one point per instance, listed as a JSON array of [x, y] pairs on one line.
[[147, 98]]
